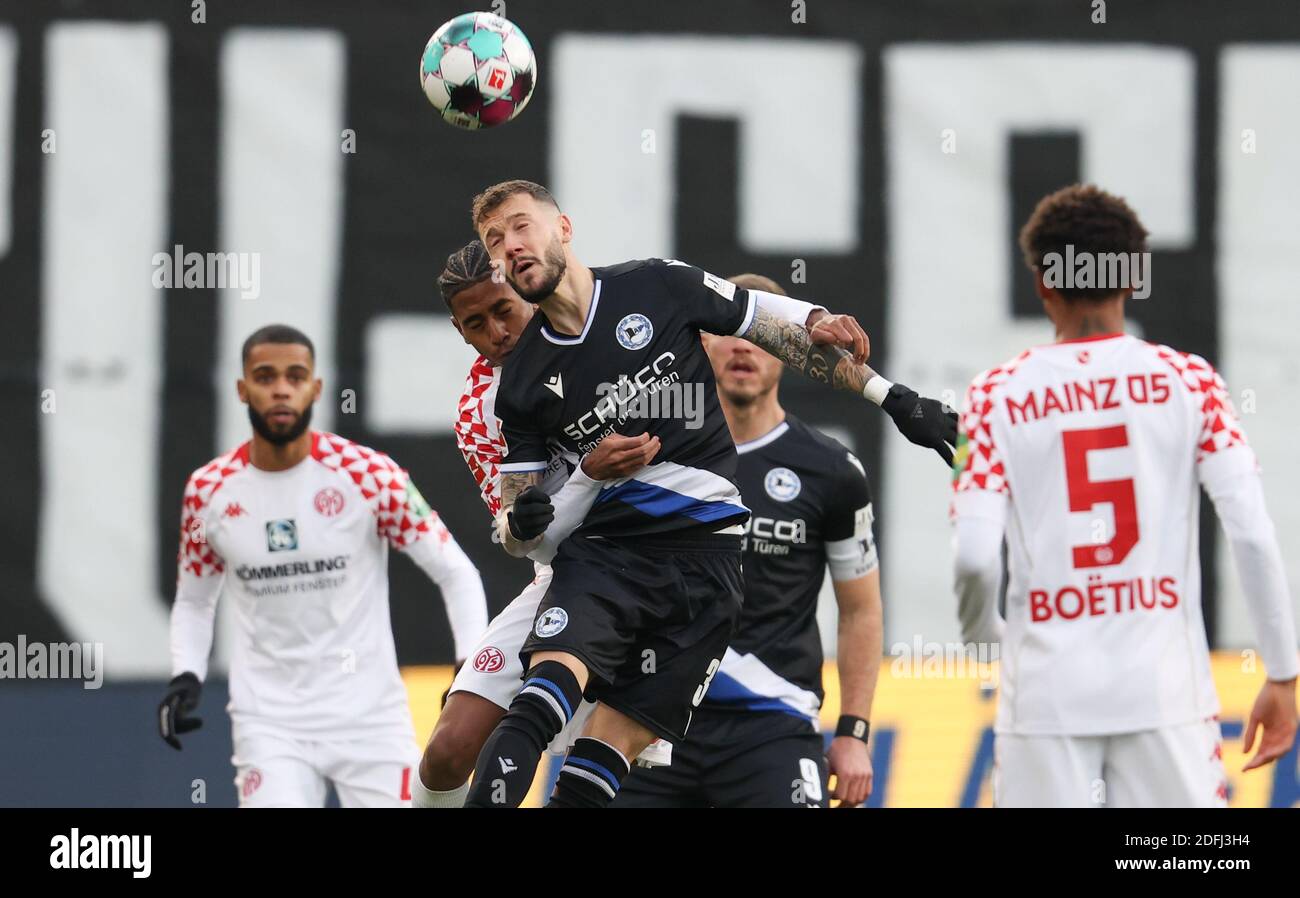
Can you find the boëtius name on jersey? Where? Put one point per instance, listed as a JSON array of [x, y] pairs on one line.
[[1103, 597], [770, 536]]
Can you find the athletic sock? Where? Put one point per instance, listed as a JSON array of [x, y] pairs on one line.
[[424, 797], [590, 776], [508, 762]]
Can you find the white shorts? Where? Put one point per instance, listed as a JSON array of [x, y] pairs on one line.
[[284, 771], [1169, 767], [493, 669]]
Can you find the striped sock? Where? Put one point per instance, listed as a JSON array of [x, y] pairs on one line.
[[590, 776], [508, 761]]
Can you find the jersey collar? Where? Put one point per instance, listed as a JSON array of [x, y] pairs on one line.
[[591, 316], [759, 442]]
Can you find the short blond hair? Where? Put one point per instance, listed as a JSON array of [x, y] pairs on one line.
[[492, 198]]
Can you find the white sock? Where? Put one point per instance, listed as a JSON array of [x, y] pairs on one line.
[[424, 797]]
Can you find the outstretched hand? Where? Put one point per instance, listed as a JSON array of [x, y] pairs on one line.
[[925, 422]]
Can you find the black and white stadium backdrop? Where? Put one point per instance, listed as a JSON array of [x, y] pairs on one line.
[[875, 157]]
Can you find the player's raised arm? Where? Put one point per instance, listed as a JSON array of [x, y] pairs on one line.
[[813, 342], [818, 353]]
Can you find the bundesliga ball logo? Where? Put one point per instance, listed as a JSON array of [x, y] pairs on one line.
[[478, 70]]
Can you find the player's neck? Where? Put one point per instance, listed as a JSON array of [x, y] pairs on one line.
[[754, 419], [267, 456], [566, 309], [1088, 320]]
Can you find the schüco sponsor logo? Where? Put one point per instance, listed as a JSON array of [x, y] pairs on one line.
[[761, 532], [291, 569], [606, 409]]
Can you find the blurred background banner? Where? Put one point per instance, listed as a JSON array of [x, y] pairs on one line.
[[877, 158], [931, 741]]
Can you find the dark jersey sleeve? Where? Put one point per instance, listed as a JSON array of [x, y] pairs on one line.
[[712, 304], [850, 500], [525, 446], [846, 529]]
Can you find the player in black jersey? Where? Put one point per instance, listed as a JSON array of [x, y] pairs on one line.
[[647, 590], [754, 740]]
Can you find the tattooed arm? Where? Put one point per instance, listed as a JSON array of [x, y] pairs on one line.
[[793, 344], [512, 487], [812, 351]]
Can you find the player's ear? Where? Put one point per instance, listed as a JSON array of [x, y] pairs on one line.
[[316, 388], [566, 228], [242, 389], [460, 330]]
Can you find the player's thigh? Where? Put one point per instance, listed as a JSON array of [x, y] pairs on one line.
[[625, 733], [276, 772], [493, 670], [371, 773], [1168, 767], [671, 667], [789, 772], [1048, 771]]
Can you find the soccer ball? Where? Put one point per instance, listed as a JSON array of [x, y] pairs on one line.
[[478, 70]]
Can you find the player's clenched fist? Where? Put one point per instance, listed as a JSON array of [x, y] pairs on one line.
[[620, 456]]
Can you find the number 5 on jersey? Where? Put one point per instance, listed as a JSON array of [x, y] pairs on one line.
[[1086, 494]]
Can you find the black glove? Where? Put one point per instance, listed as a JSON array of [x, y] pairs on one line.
[[182, 697], [925, 422], [531, 514]]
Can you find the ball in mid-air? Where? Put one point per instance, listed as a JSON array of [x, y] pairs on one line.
[[478, 70]]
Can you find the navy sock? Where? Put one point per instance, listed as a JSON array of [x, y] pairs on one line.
[[590, 776], [508, 761]]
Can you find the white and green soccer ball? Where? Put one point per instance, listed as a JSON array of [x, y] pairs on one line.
[[478, 70]]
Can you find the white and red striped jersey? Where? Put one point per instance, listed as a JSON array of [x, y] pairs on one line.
[[1090, 452], [478, 436], [303, 556]]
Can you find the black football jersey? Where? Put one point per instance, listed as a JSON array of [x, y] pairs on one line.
[[638, 366], [808, 498]]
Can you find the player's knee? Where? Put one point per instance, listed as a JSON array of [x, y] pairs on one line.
[[450, 755]]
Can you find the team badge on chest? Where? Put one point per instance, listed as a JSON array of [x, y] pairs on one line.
[[329, 502], [782, 484], [634, 331]]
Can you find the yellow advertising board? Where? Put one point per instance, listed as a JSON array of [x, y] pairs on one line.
[[932, 738]]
